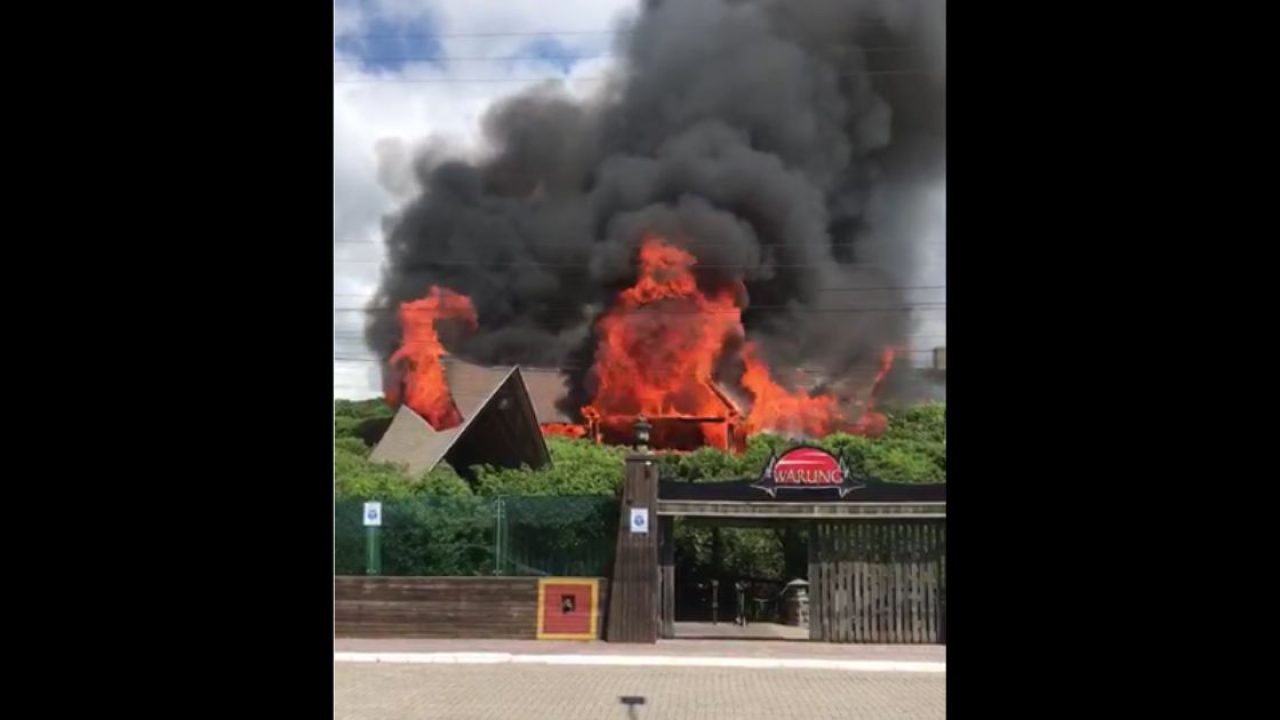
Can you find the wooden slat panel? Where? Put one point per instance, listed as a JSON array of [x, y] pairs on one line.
[[820, 588], [834, 580], [908, 629], [911, 617], [867, 607], [936, 579], [873, 584], [437, 607], [824, 537], [869, 584], [942, 583], [667, 542], [917, 628], [815, 586], [861, 593], [922, 570], [833, 593], [896, 567], [869, 596], [930, 586], [877, 581], [931, 582], [899, 583], [828, 576], [899, 566], [844, 616], [882, 585], [846, 583], [859, 574]]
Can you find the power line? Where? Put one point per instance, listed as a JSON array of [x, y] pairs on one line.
[[432, 36], [572, 368], [698, 243], [870, 22], [360, 337], [432, 264], [648, 312], [446, 59], [585, 78], [831, 289]]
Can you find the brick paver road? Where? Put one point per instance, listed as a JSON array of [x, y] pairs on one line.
[[514, 692]]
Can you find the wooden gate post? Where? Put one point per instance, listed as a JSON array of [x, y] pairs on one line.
[[633, 590]]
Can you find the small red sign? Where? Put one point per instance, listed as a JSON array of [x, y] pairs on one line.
[[567, 608]]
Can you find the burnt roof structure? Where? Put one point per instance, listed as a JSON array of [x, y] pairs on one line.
[[499, 426], [545, 386]]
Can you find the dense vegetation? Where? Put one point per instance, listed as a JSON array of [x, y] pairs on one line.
[[447, 523], [913, 450]]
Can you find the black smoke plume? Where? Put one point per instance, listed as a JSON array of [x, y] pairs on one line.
[[786, 143]]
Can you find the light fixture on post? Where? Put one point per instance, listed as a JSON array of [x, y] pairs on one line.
[[642, 434]]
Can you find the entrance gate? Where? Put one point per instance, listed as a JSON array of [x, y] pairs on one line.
[[877, 553]]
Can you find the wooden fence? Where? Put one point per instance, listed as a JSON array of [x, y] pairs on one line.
[[440, 607], [878, 581]]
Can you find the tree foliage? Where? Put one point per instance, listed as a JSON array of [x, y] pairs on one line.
[[913, 450], [445, 525], [577, 467]]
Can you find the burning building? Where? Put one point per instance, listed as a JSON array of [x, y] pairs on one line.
[[738, 201], [666, 349]]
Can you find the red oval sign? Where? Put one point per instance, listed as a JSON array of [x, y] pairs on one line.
[[807, 467]]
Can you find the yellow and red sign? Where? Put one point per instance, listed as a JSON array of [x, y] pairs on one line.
[[568, 608]]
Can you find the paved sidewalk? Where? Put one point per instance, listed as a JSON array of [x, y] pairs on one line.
[[515, 692], [681, 648]]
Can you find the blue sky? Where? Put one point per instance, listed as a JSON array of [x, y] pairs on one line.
[[385, 41], [383, 44], [550, 50]]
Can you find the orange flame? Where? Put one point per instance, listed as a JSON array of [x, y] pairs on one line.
[[569, 430], [658, 348], [775, 409], [872, 423], [426, 391], [660, 345]]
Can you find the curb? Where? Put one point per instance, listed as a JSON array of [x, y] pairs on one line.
[[497, 658]]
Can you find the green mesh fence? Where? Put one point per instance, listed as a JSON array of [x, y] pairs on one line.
[[482, 536]]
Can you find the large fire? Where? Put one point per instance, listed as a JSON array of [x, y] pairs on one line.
[[426, 391], [660, 345], [657, 351]]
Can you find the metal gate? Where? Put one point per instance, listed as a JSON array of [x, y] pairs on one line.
[[878, 581]]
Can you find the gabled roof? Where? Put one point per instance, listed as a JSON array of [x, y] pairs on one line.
[[499, 427]]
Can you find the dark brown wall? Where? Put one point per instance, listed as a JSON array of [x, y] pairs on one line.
[[439, 607]]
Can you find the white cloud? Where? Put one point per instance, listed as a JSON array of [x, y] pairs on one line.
[[380, 106]]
